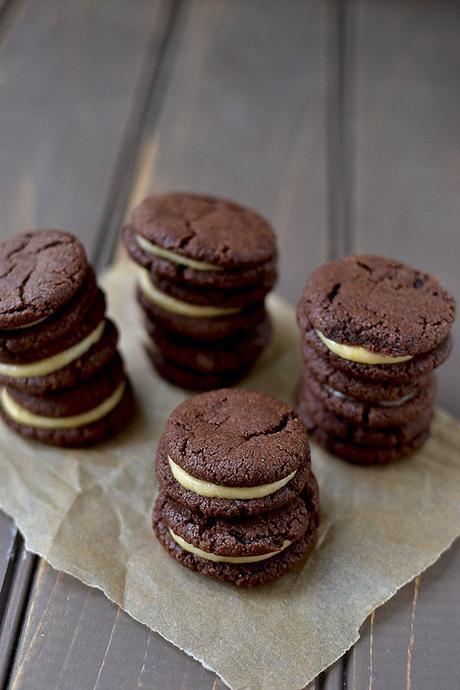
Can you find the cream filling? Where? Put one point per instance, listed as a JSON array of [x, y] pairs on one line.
[[356, 353], [175, 258], [383, 403], [224, 559], [26, 325], [21, 415], [55, 362], [169, 303], [210, 490]]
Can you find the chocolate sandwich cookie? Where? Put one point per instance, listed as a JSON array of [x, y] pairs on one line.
[[53, 336], [233, 452], [246, 552], [361, 454], [202, 366], [336, 380], [205, 324], [376, 311], [332, 424], [386, 414], [404, 372], [194, 380], [236, 298], [40, 272], [202, 241], [80, 416], [66, 368], [24, 343]]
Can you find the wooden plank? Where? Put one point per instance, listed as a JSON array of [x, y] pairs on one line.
[[69, 73], [404, 59], [243, 115], [75, 638], [69, 78]]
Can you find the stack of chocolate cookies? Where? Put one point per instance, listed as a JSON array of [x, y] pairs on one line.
[[238, 500], [61, 377], [206, 265], [372, 332]]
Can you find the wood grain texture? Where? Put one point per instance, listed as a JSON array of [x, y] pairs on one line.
[[69, 71], [404, 68]]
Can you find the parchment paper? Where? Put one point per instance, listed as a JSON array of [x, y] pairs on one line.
[[88, 513]]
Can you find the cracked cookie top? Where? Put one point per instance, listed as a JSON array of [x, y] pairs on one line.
[[236, 437], [207, 229], [40, 272], [377, 303]]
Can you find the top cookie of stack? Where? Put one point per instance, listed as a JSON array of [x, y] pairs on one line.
[[62, 377], [206, 267], [373, 330]]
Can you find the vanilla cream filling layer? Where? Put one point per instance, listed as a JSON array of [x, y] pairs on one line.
[[21, 415], [161, 299], [224, 559], [55, 362], [26, 325], [383, 403], [356, 353], [175, 258], [210, 490]]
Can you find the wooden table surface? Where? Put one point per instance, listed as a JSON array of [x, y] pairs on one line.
[[338, 120]]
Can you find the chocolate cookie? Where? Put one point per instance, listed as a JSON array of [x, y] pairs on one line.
[[212, 328], [58, 337], [358, 412], [105, 337], [233, 452], [270, 544], [362, 454], [334, 425], [84, 396], [193, 380], [23, 344], [366, 390], [224, 356], [203, 233], [40, 272], [399, 373], [72, 431], [379, 304], [181, 274], [237, 298]]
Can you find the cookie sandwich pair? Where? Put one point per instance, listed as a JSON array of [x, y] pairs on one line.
[[205, 267], [62, 379], [238, 500], [373, 330]]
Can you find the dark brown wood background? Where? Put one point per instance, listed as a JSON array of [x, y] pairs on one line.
[[337, 120]]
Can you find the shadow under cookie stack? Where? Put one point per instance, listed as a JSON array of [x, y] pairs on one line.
[[205, 267], [372, 332], [238, 500], [62, 378]]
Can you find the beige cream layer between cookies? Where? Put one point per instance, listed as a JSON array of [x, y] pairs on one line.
[[356, 353], [175, 258], [210, 490], [55, 362], [224, 559], [168, 303], [25, 417]]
